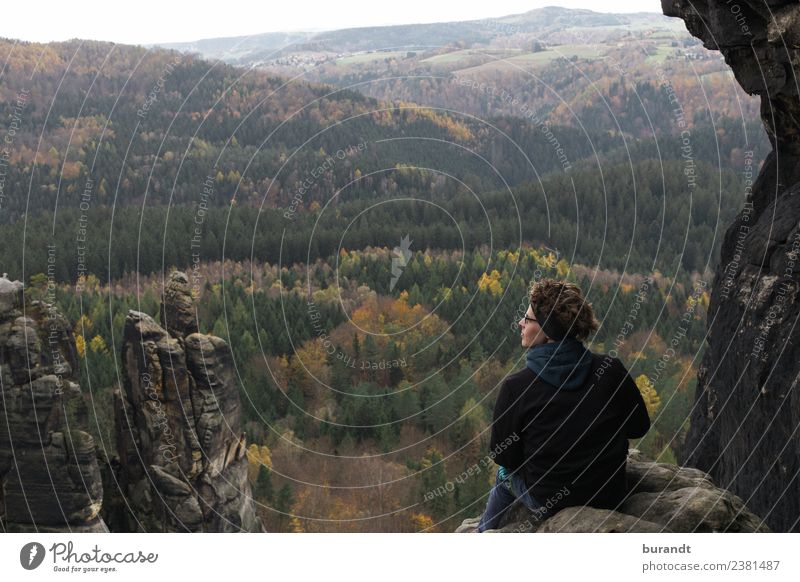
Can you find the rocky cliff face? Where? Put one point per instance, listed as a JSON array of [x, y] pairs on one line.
[[662, 498], [744, 426], [49, 475], [181, 464]]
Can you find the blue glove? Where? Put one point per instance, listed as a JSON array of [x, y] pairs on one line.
[[503, 476]]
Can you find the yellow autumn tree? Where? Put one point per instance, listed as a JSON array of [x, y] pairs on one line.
[[548, 260], [562, 269], [308, 365], [295, 525], [98, 344], [80, 345], [256, 457], [651, 398], [421, 522], [83, 325], [490, 283]]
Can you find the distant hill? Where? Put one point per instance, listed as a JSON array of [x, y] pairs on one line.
[[236, 48], [550, 24], [574, 67]]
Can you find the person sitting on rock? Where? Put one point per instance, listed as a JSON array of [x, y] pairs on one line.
[[561, 425]]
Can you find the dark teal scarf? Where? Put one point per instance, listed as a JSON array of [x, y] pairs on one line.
[[565, 364]]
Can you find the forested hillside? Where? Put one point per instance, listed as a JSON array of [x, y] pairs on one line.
[[132, 152], [397, 385]]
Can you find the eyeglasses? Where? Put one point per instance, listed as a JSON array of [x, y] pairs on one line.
[[527, 319]]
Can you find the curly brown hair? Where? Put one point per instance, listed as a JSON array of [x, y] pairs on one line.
[[565, 303]]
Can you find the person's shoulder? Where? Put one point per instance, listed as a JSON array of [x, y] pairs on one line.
[[608, 366], [524, 377]]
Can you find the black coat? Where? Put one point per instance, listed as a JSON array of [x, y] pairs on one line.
[[571, 445]]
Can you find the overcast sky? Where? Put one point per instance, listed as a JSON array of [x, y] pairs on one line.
[[158, 21]]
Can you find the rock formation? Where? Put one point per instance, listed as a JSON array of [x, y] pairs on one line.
[[182, 464], [49, 475], [744, 427], [661, 498]]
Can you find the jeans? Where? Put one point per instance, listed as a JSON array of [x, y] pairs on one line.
[[501, 498]]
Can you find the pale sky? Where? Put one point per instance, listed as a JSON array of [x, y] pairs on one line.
[[161, 21]]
